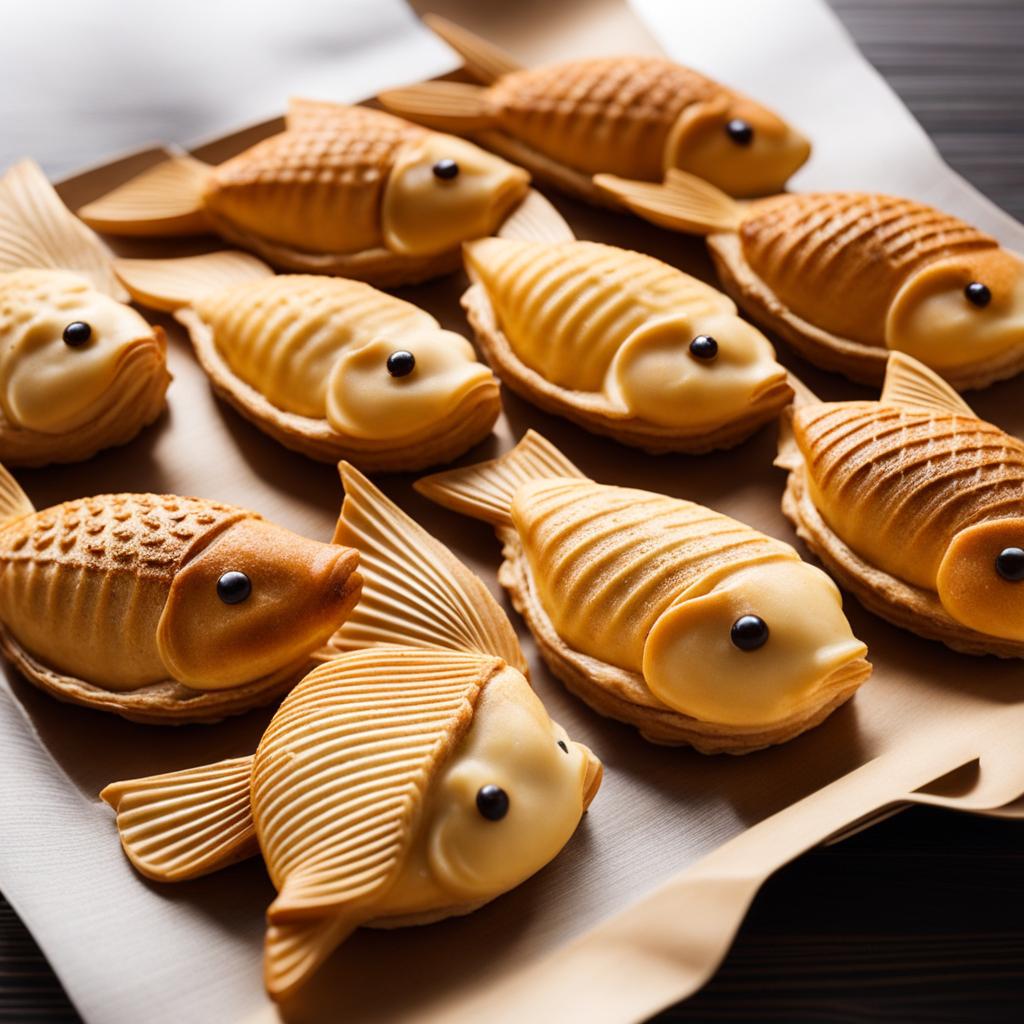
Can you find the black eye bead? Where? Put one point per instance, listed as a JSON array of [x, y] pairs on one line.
[[1010, 564], [564, 746], [401, 363], [446, 170], [749, 632], [978, 294], [492, 802], [234, 587], [704, 347], [740, 132], [77, 333]]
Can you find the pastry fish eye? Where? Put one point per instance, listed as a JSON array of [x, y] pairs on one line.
[[1010, 564], [978, 294], [77, 333], [445, 169], [704, 348], [739, 131], [492, 802], [234, 587], [749, 632], [564, 746], [401, 363]]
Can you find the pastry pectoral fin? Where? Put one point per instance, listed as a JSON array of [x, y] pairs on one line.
[[172, 283], [484, 61], [788, 455], [165, 200], [447, 106], [535, 219], [911, 385], [293, 951], [188, 823], [37, 230], [485, 491], [14, 502], [415, 593], [682, 203]]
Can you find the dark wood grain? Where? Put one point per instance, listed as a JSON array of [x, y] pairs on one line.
[[920, 918]]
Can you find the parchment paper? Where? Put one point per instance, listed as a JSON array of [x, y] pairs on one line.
[[576, 941]]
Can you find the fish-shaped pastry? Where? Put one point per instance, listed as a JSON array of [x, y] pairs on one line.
[[79, 369], [329, 367], [915, 505], [617, 341], [848, 277], [160, 608], [660, 612], [342, 190], [634, 116], [413, 777]]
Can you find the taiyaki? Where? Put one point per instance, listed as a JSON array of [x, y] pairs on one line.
[[664, 614], [916, 506], [79, 370], [848, 277], [617, 341], [413, 777], [342, 190], [633, 116], [330, 367], [161, 608]]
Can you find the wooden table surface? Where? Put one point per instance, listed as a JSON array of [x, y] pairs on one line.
[[922, 917]]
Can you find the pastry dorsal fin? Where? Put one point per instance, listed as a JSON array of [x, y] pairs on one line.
[[536, 220], [789, 455], [483, 60], [14, 502], [911, 385]]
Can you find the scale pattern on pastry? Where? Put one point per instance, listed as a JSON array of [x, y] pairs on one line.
[[410, 777]]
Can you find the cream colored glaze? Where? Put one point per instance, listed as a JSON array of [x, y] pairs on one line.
[[45, 385], [423, 214], [691, 664], [932, 320]]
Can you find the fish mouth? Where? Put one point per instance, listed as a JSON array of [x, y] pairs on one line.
[[509, 194], [850, 673], [344, 583], [773, 386], [593, 776]]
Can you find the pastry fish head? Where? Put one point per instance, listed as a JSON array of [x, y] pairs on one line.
[[65, 349], [443, 191], [252, 600], [960, 310], [509, 798], [736, 144], [389, 389], [682, 370], [756, 647], [981, 578]]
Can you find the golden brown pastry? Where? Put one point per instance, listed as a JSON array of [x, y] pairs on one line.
[[330, 367], [915, 505], [660, 612], [79, 370], [160, 608], [617, 341], [343, 190], [633, 116], [414, 777], [848, 277]]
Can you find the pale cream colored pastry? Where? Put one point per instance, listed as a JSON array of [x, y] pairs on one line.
[[79, 370], [848, 277], [633, 116], [413, 777], [161, 608], [343, 190], [915, 505], [617, 341], [659, 612], [330, 367]]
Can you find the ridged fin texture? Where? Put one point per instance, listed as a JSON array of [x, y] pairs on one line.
[[483, 60], [293, 950], [342, 771], [448, 106], [682, 202], [485, 491], [14, 502], [415, 593], [188, 823], [535, 219], [911, 385], [38, 231]]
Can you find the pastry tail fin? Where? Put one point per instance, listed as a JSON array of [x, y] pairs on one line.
[[682, 202], [173, 283], [415, 592], [485, 491], [293, 950], [789, 455], [165, 200], [536, 220], [482, 60], [14, 502], [447, 106], [38, 231], [188, 823]]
